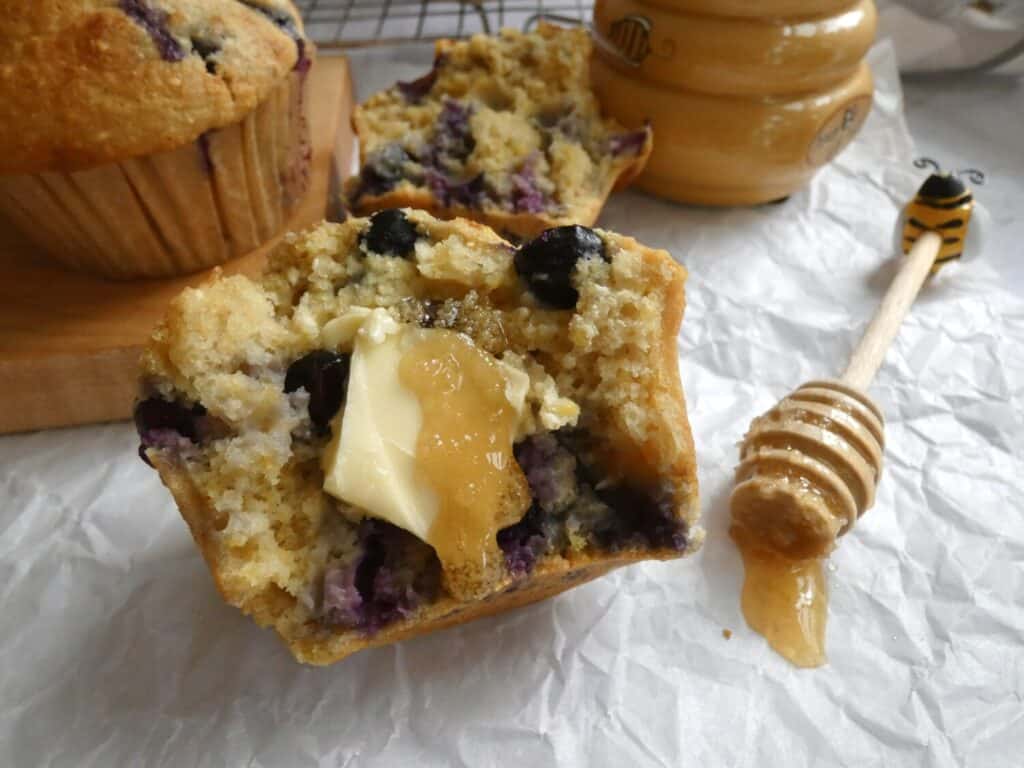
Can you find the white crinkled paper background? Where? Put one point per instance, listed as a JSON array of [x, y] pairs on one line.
[[115, 649]]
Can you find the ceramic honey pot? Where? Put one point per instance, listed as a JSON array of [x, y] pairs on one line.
[[748, 98]]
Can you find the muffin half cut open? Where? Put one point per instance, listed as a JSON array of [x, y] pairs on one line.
[[504, 130], [408, 423]]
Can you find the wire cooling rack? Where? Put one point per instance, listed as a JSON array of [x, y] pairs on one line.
[[361, 23]]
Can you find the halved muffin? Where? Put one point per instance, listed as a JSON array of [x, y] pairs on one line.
[[409, 423], [504, 130]]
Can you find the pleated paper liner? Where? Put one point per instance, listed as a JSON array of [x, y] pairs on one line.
[[175, 212], [69, 342]]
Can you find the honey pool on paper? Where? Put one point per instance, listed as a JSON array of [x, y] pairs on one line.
[[463, 451], [787, 602]]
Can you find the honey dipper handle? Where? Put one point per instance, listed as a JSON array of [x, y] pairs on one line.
[[886, 323]]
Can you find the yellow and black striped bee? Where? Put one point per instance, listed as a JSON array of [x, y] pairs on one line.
[[631, 35], [943, 205]]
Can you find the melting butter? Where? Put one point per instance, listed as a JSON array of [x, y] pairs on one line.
[[464, 452], [425, 442], [370, 462], [786, 601]]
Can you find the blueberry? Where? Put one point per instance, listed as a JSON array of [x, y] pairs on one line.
[[391, 233], [324, 375], [207, 51], [155, 414], [642, 514], [383, 170], [284, 21], [547, 262], [154, 21]]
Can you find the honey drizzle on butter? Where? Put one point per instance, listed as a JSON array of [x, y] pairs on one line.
[[786, 601], [464, 450]]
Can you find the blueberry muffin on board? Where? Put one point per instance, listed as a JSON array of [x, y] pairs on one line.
[[145, 138], [408, 423], [504, 130]]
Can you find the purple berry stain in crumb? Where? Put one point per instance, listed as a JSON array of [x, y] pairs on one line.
[[383, 169], [536, 456], [324, 375], [451, 144], [526, 196], [453, 137], [154, 21], [523, 542], [629, 143], [383, 583], [469, 194], [169, 424], [414, 91]]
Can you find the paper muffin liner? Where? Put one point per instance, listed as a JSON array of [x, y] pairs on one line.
[[175, 212]]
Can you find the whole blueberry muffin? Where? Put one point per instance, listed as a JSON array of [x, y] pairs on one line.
[[409, 423], [151, 137], [504, 130]]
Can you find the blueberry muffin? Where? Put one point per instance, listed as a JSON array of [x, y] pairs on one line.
[[144, 138], [504, 130], [408, 423]]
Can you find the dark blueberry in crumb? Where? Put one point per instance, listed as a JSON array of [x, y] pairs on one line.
[[648, 516], [523, 542], [414, 91], [391, 233], [286, 23], [154, 21], [324, 375], [547, 262], [393, 575], [206, 50], [383, 170], [155, 414]]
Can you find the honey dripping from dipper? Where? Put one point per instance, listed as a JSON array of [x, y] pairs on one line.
[[810, 465], [808, 469]]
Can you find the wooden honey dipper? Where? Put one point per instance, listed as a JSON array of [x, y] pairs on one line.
[[810, 465]]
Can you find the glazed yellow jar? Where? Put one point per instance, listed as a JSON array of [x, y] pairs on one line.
[[747, 97]]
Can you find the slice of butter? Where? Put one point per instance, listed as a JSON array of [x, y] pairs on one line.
[[339, 333], [371, 460]]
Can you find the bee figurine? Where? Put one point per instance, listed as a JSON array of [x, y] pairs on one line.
[[943, 204]]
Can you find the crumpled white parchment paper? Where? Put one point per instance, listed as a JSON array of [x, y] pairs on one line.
[[115, 649]]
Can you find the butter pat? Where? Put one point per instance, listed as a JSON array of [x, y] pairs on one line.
[[371, 460], [340, 332]]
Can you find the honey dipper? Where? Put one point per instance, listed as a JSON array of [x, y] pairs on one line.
[[810, 465]]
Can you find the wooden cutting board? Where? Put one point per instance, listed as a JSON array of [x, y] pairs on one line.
[[69, 343]]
